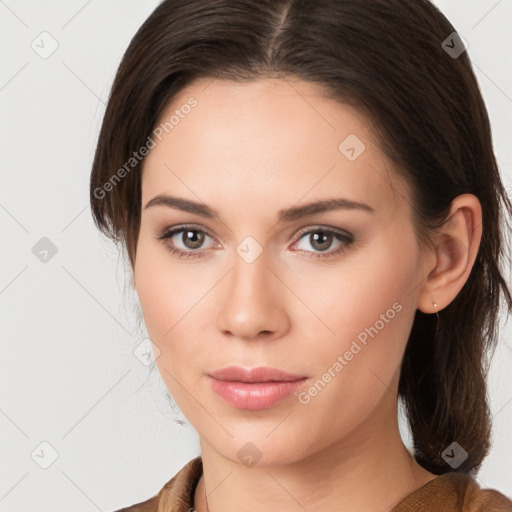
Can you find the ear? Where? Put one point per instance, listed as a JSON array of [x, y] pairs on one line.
[[455, 248]]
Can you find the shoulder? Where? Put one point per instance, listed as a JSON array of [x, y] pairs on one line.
[[455, 492], [150, 505], [179, 490]]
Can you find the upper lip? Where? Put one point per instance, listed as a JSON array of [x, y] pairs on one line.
[[260, 374]]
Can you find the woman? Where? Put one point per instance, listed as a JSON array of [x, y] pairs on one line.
[[312, 210]]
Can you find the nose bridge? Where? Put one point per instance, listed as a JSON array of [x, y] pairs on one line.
[[250, 273], [250, 303], [249, 281]]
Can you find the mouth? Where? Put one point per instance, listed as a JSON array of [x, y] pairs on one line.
[[260, 374], [256, 388]]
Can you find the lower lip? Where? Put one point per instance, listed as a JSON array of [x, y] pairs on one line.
[[254, 396]]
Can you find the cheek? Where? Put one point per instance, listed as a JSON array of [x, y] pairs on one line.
[[167, 297], [367, 307], [353, 294], [370, 310], [167, 291], [173, 295]]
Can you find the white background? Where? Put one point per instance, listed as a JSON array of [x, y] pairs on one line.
[[69, 326]]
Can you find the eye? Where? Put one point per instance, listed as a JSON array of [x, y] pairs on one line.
[[322, 239], [184, 241], [187, 241]]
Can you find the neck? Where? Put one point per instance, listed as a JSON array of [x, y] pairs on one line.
[[368, 470]]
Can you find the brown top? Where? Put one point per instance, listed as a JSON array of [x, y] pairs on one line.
[[446, 493]]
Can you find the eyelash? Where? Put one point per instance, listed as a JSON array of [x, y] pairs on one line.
[[345, 238]]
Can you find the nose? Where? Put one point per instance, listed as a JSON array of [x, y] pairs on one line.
[[253, 301]]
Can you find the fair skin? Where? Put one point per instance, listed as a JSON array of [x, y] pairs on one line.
[[248, 151]]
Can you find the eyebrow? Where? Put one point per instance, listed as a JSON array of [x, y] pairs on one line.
[[284, 215]]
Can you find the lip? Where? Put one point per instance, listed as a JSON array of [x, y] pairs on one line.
[[256, 388], [260, 374]]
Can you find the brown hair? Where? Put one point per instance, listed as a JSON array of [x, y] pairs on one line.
[[386, 58]]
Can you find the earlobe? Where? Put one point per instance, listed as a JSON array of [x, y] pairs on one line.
[[455, 248]]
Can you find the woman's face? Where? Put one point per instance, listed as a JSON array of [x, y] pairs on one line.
[[326, 293]]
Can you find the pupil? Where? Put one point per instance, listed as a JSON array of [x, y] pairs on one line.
[[320, 240], [192, 239]]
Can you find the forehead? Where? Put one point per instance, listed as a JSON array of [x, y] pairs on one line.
[[273, 139]]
